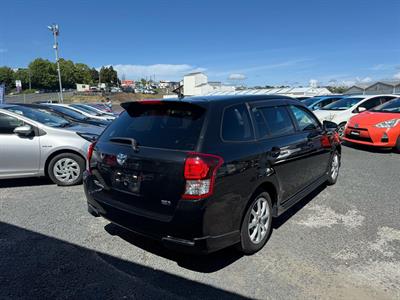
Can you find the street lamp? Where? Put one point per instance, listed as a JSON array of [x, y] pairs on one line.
[[54, 29]]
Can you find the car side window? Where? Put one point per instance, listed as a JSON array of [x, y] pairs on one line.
[[371, 103], [236, 124], [8, 124], [386, 99], [278, 120], [261, 123], [305, 120]]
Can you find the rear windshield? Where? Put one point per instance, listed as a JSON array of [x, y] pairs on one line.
[[171, 125]]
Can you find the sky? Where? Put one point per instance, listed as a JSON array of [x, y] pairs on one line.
[[253, 42]]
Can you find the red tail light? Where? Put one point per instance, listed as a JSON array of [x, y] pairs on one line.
[[90, 153], [200, 171]]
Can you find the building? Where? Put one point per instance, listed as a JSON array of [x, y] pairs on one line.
[[167, 84], [380, 87], [128, 83], [80, 87], [197, 84], [287, 91]]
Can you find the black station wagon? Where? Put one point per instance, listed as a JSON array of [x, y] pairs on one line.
[[204, 173]]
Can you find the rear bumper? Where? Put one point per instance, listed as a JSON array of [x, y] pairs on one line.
[[174, 232]]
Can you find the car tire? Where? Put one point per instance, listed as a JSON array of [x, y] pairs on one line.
[[256, 225], [334, 167], [340, 130], [397, 147], [66, 169]]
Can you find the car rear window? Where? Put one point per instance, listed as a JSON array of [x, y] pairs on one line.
[[170, 125]]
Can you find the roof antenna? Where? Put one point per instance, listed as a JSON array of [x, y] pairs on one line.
[[179, 92]]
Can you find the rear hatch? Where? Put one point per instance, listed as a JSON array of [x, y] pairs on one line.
[[140, 157]]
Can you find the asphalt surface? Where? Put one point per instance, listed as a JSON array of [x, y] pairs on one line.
[[341, 242]]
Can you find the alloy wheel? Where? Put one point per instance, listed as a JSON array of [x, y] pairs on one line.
[[259, 221]]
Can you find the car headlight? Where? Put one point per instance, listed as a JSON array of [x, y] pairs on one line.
[[88, 136], [388, 124]]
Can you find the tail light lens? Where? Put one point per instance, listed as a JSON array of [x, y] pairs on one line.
[[89, 154], [199, 172]]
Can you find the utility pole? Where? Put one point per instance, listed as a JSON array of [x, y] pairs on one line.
[[54, 29], [30, 80]]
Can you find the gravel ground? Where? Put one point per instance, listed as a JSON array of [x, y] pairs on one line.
[[340, 242]]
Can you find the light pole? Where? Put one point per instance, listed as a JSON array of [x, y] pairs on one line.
[[54, 29]]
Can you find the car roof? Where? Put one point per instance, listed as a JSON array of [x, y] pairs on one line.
[[228, 99]]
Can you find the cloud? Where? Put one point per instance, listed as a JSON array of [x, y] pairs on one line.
[[3, 50], [365, 79], [237, 76], [396, 76], [161, 71], [379, 67]]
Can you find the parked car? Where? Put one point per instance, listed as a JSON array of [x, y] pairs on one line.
[[321, 101], [379, 127], [103, 107], [197, 176], [93, 111], [68, 114], [92, 115], [342, 110], [35, 143]]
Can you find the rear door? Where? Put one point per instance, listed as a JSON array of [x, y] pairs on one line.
[[285, 149], [19, 155], [140, 157]]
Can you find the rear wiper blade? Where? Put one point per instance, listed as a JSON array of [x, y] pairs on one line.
[[126, 141]]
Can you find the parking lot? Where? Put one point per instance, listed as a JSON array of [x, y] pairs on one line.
[[340, 242]]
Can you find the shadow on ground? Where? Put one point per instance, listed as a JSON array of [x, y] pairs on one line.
[[199, 263], [35, 266], [20, 182], [369, 148]]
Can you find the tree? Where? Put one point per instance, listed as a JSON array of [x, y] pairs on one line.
[[94, 74], [82, 74], [337, 89], [68, 73], [109, 75], [7, 77], [43, 74], [23, 75]]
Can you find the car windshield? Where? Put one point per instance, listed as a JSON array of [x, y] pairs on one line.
[[40, 116], [311, 101], [343, 104], [392, 106], [69, 112], [87, 109]]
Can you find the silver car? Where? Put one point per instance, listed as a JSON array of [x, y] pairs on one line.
[[35, 143]]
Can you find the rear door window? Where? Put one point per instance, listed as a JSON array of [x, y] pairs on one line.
[[236, 124], [278, 120], [170, 125]]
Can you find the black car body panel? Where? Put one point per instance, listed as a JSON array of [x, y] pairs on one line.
[[141, 186]]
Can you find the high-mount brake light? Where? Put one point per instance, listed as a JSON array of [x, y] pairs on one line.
[[200, 171]]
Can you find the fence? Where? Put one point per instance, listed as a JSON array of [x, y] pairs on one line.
[[30, 98]]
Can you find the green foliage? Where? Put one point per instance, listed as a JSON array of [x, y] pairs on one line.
[[7, 77], [43, 74], [337, 89], [109, 75]]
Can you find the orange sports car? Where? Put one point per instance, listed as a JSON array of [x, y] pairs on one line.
[[378, 127]]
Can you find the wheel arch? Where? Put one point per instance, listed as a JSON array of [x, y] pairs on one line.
[[57, 152]]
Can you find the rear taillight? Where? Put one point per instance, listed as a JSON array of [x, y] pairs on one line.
[[199, 172], [90, 153]]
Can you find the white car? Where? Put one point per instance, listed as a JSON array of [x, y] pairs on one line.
[[342, 110], [87, 112], [93, 109]]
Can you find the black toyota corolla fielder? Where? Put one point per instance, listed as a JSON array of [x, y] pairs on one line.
[[201, 174]]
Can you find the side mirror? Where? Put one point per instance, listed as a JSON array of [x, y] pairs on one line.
[[329, 126], [361, 109], [23, 130]]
